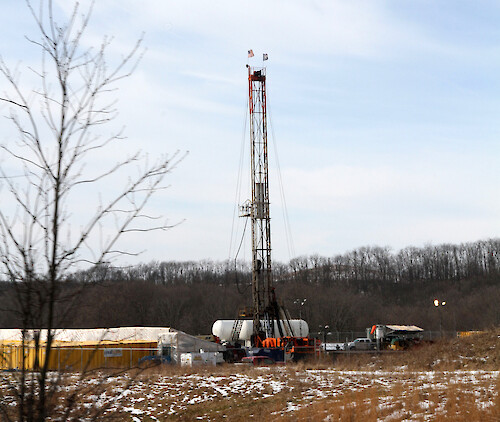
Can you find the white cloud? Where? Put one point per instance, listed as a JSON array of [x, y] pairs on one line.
[[413, 161], [356, 28]]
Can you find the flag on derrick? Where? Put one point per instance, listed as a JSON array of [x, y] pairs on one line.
[[265, 56], [250, 53]]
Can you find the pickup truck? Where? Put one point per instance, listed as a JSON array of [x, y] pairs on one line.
[[362, 344]]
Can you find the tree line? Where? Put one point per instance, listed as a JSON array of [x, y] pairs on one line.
[[444, 262], [352, 291]]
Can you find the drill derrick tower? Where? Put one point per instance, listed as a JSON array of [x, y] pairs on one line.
[[264, 303]]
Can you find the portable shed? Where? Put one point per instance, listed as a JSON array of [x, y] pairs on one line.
[[171, 345]]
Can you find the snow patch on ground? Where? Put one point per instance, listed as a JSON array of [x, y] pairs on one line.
[[161, 396]]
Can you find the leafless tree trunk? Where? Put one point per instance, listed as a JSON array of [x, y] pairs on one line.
[[46, 169]]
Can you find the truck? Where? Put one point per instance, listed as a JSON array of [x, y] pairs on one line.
[[394, 337], [362, 344]]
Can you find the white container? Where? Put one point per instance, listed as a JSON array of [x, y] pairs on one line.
[[223, 328], [380, 332], [198, 359]]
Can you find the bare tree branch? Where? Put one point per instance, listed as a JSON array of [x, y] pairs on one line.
[[57, 124]]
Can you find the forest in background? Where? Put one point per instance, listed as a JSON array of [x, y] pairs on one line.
[[366, 286]]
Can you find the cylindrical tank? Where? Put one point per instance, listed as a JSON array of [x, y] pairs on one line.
[[380, 332], [222, 328]]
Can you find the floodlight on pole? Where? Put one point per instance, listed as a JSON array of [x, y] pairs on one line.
[[300, 302], [440, 303]]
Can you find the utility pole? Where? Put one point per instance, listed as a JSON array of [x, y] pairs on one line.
[[264, 302]]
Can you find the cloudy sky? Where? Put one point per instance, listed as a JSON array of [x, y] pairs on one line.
[[385, 117]]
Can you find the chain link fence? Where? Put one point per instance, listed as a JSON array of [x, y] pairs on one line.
[[347, 336]]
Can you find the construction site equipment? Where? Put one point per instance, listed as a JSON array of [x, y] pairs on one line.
[[224, 329], [258, 208], [122, 347], [201, 358], [75, 356], [11, 354], [172, 345], [295, 348], [270, 319], [395, 337], [236, 330]]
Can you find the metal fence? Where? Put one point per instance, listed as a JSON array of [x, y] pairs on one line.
[[347, 336]]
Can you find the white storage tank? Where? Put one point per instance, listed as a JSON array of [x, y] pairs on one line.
[[380, 332], [223, 328]]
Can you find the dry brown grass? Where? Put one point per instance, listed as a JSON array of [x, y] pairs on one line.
[[422, 384], [419, 385], [402, 402], [477, 352], [439, 396]]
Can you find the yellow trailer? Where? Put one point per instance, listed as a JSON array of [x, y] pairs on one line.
[[10, 354], [77, 356]]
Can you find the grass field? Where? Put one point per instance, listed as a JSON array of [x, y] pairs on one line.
[[457, 380]]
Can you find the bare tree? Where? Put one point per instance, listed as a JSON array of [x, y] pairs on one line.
[[47, 169]]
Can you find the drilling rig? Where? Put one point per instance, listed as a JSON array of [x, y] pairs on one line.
[[271, 324], [267, 314]]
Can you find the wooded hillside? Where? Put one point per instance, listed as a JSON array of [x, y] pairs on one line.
[[347, 292]]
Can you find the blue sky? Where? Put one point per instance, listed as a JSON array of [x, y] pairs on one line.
[[385, 115]]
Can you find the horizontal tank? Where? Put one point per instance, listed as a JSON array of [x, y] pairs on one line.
[[222, 328]]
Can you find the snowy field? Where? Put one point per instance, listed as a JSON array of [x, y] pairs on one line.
[[289, 393]]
